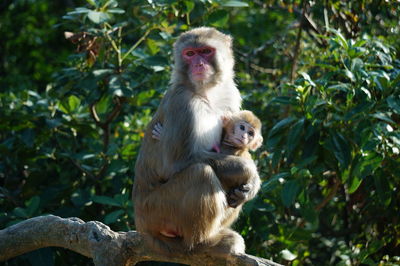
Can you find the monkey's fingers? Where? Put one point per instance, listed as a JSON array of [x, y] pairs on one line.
[[155, 134], [159, 127], [233, 203], [239, 194], [245, 187], [236, 197], [157, 131]]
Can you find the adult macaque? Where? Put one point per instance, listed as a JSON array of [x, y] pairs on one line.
[[180, 203], [241, 133]]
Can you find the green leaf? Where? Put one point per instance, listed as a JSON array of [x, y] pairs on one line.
[[98, 17], [310, 215], [120, 87], [101, 73], [73, 102], [356, 65], [280, 126], [272, 142], [189, 6], [92, 2], [384, 117], [282, 100], [106, 201], [354, 183], [341, 149], [289, 192], [360, 43], [79, 10], [218, 18], [81, 197], [341, 87], [113, 216], [152, 46], [116, 11], [308, 79], [276, 158], [340, 39], [32, 205], [350, 75], [104, 105], [383, 189], [271, 183], [306, 161], [394, 103], [294, 136], [157, 63], [28, 137], [367, 165], [235, 4], [20, 212], [287, 255]]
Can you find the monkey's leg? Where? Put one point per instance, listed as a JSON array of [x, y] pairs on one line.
[[202, 204], [225, 242], [231, 214], [191, 204], [206, 211]]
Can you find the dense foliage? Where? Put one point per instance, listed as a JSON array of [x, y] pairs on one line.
[[80, 80]]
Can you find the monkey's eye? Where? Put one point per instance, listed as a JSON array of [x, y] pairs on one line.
[[189, 53], [241, 127], [206, 51], [251, 133]]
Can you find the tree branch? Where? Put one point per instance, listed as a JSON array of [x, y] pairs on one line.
[[97, 241], [297, 46], [332, 193]]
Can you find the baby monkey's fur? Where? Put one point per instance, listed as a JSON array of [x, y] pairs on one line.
[[229, 130]]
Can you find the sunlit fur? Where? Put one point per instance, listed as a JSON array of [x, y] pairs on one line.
[[175, 187]]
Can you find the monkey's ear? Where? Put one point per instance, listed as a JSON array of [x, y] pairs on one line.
[[257, 143], [225, 120]]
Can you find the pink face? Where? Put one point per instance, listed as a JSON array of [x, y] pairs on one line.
[[243, 134], [199, 61]]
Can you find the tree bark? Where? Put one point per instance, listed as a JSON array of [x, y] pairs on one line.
[[97, 241]]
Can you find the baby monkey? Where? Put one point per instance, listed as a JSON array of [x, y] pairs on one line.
[[241, 133]]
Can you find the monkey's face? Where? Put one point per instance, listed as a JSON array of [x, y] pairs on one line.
[[243, 134], [200, 63]]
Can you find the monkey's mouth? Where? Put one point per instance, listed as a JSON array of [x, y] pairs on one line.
[[198, 73], [240, 142], [201, 70], [200, 76]]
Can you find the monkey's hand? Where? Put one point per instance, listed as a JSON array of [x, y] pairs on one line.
[[157, 131], [239, 195]]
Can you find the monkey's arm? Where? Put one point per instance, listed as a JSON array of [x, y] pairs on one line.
[[231, 170], [177, 139], [238, 176]]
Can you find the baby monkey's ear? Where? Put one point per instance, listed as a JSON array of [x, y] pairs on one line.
[[256, 143], [225, 119]]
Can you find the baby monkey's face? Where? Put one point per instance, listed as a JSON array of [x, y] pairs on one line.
[[243, 134]]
